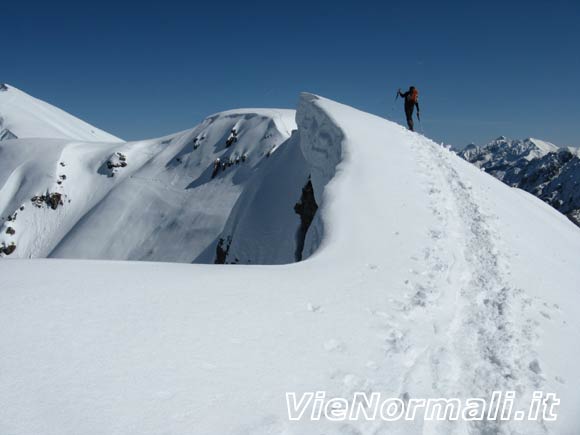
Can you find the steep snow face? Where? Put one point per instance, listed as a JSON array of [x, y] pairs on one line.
[[165, 199], [23, 116], [538, 167], [429, 279], [264, 228]]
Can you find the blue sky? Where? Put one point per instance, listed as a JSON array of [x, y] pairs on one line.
[[146, 69]]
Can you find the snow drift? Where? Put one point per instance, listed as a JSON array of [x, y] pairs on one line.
[[425, 277]]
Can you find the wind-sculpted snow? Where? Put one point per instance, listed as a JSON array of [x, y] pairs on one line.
[[428, 278], [263, 226]]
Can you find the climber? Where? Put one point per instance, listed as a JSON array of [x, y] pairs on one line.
[[411, 100]]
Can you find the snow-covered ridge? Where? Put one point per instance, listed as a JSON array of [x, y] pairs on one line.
[[23, 116], [431, 279], [163, 199]]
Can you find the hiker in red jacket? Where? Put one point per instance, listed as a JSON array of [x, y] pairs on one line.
[[411, 100]]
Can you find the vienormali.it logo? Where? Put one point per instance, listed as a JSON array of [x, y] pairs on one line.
[[363, 406]]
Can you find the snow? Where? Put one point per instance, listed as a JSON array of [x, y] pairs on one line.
[[548, 172], [425, 277], [545, 147], [159, 203], [24, 116]]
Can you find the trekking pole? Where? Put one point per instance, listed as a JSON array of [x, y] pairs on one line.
[[420, 124]]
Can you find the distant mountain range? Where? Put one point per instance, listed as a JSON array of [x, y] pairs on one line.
[[545, 170]]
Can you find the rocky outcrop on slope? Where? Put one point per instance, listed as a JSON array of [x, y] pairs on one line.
[[306, 208]]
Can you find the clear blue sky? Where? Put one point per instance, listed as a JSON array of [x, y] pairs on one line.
[[146, 69]]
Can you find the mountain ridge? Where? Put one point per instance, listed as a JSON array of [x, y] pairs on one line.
[[549, 172], [23, 116], [422, 277]]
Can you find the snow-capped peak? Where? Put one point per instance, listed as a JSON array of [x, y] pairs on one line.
[[23, 116], [543, 146]]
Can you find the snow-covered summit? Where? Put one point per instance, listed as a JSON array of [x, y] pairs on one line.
[[23, 116]]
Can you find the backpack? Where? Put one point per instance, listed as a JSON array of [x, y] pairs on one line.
[[414, 96]]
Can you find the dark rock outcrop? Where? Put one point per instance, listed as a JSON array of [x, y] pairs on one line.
[[306, 208], [222, 249], [52, 200], [7, 250]]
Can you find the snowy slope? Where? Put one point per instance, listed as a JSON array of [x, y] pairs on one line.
[[146, 200], [23, 116], [428, 278]]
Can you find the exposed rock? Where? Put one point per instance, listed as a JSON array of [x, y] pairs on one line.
[[232, 138], [53, 200], [574, 216], [306, 209], [216, 168], [117, 160], [38, 200], [11, 231], [7, 250], [222, 249]]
